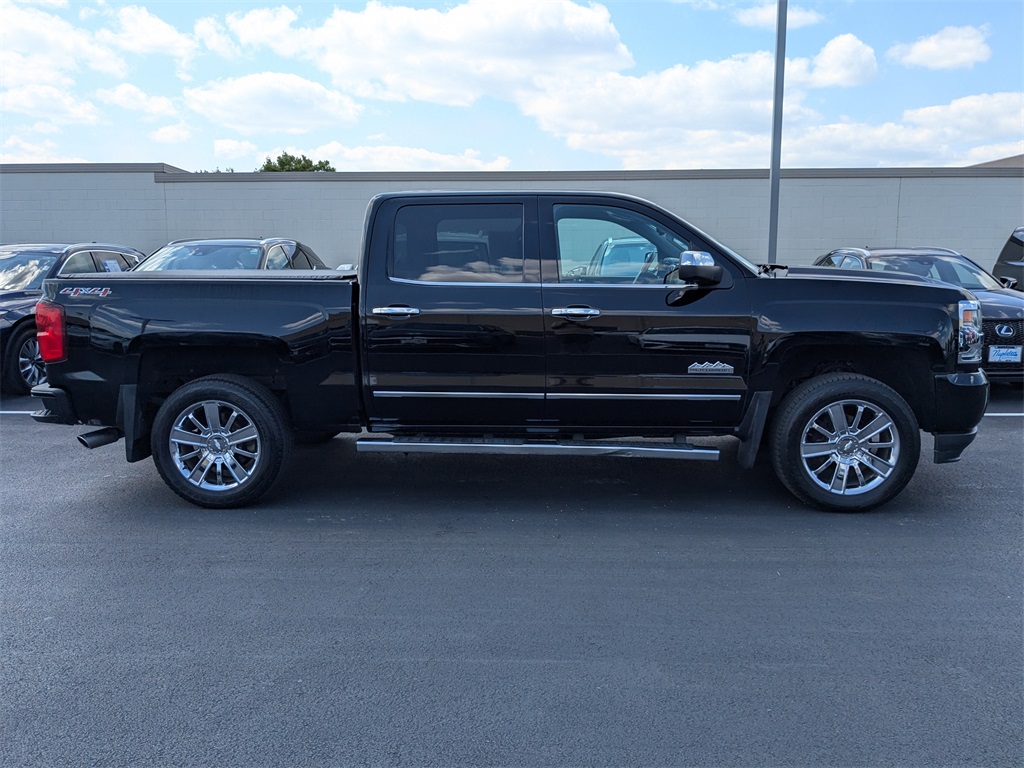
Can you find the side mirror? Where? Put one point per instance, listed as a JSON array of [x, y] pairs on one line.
[[1008, 282], [696, 274]]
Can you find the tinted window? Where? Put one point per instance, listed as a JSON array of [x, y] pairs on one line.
[[314, 261], [300, 260], [78, 262], [110, 261], [276, 258], [459, 243]]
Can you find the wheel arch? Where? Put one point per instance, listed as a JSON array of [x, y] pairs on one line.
[[158, 371], [904, 366]]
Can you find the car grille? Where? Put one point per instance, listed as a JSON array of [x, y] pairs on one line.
[[993, 338]]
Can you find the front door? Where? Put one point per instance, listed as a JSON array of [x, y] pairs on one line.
[[623, 346]]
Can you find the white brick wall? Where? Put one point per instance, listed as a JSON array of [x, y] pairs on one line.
[[971, 210]]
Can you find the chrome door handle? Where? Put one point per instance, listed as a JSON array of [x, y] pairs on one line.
[[575, 313], [395, 311]]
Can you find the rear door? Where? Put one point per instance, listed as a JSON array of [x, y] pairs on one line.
[[452, 327], [618, 351]]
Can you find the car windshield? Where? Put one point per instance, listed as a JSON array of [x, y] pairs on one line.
[[948, 270], [24, 271], [203, 256]]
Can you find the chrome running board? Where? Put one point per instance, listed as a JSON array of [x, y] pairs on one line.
[[658, 449]]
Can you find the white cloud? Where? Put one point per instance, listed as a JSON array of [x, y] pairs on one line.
[[766, 16], [128, 96], [19, 150], [50, 103], [271, 101], [451, 57], [39, 48], [212, 34], [46, 3], [950, 48], [844, 61], [701, 116], [44, 127], [143, 33], [990, 152], [947, 134], [172, 134], [988, 114], [231, 149], [389, 158]]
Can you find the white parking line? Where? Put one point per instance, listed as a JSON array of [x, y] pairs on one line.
[[1004, 414]]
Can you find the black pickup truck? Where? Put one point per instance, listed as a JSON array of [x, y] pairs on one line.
[[557, 323]]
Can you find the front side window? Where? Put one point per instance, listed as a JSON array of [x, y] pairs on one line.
[[605, 244], [459, 243]]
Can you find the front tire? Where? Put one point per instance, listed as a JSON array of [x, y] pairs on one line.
[[845, 442], [221, 441]]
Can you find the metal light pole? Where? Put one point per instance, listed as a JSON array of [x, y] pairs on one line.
[[773, 173]]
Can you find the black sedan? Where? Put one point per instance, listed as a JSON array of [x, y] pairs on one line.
[[233, 253], [1002, 309], [22, 271]]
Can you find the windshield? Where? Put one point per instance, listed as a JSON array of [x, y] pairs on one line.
[[24, 271], [956, 271], [203, 256]]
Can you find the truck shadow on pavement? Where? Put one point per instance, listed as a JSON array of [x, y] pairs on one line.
[[336, 475]]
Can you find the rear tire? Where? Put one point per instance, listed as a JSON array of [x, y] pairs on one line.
[[845, 442], [221, 441], [23, 365]]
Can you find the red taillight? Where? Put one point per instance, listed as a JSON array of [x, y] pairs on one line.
[[50, 332]]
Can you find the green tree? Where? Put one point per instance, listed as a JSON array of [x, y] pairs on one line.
[[287, 162]]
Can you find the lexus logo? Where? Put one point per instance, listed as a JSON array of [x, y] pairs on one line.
[[1006, 331]]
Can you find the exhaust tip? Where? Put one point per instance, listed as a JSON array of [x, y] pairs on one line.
[[104, 436]]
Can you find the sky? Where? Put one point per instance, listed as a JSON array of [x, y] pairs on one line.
[[519, 85]]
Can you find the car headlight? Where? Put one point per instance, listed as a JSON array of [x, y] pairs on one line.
[[971, 335]]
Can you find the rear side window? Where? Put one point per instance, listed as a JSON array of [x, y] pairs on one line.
[[78, 262], [111, 261], [300, 260], [459, 243]]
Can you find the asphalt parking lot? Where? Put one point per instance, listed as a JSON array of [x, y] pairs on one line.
[[443, 611]]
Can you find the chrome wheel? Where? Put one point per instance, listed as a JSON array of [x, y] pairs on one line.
[[30, 363], [215, 445], [850, 447]]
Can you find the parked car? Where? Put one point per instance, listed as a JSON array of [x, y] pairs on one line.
[[23, 267], [622, 257], [234, 253], [1010, 264], [1002, 309]]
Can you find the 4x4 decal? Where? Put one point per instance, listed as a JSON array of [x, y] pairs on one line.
[[73, 292]]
